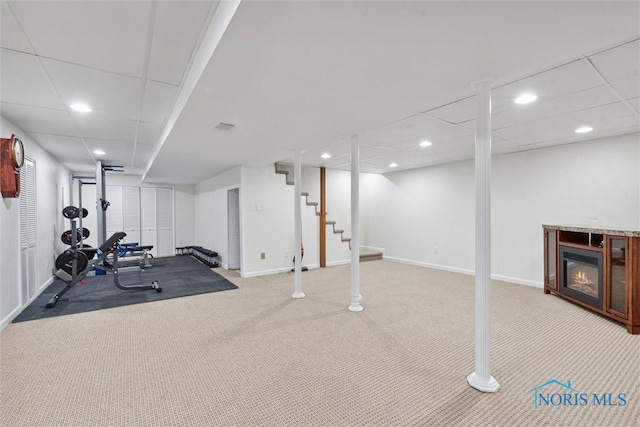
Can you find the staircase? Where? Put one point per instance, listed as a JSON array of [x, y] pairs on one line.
[[365, 255]]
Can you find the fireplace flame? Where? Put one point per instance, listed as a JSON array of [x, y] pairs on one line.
[[581, 278]]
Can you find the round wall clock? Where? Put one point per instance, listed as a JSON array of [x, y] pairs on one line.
[[17, 153]]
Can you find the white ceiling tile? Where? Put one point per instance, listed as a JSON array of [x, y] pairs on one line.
[[142, 154], [178, 27], [106, 35], [158, 100], [456, 112], [413, 126], [549, 107], [97, 126], [106, 93], [442, 137], [64, 148], [566, 123], [23, 81], [371, 152], [337, 150], [39, 120], [628, 88], [116, 152], [549, 85], [635, 103], [622, 62], [148, 133], [11, 35]]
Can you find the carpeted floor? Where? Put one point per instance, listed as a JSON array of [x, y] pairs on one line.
[[257, 357], [178, 276]]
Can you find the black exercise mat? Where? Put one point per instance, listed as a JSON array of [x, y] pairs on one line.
[[178, 276]]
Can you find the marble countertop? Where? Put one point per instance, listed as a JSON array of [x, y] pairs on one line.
[[594, 230]]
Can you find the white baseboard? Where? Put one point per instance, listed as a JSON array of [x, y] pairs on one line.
[[340, 262], [466, 271], [372, 248], [9, 318]]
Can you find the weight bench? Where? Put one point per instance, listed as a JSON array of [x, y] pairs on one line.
[[127, 250], [111, 246]]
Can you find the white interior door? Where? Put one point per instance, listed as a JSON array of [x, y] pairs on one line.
[[165, 222], [131, 213], [28, 232], [148, 227], [233, 224], [114, 218]]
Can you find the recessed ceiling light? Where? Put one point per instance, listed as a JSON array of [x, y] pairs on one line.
[[425, 143], [525, 98], [81, 108], [326, 156], [393, 165], [583, 129], [99, 152]]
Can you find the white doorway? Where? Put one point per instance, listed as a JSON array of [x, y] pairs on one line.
[[233, 226]]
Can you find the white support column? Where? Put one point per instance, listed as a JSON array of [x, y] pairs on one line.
[[355, 225], [297, 178], [481, 379]]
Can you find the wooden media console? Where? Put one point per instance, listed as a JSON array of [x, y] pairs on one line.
[[596, 268]]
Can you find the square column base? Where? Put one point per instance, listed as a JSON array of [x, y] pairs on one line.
[[490, 386]]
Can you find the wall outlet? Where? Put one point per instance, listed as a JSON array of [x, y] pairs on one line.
[[263, 255], [435, 249]]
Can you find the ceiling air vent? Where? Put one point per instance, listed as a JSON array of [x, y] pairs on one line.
[[224, 127]]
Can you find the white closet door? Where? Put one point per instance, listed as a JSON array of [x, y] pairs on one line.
[[114, 211], [165, 222], [28, 232], [131, 213], [148, 209]]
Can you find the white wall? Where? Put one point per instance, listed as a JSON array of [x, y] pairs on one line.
[[267, 216], [52, 195], [411, 213], [210, 208]]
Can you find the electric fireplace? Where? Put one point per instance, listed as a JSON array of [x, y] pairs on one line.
[[596, 268], [581, 275]]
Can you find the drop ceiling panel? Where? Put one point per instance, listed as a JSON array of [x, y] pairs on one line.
[[39, 120], [158, 100], [106, 93], [545, 108], [178, 27], [116, 151], [456, 112], [549, 85], [336, 150], [406, 128], [148, 133], [11, 35], [105, 35], [439, 138], [371, 152], [142, 154], [620, 63], [97, 126], [628, 88], [635, 103], [64, 148], [24, 81]]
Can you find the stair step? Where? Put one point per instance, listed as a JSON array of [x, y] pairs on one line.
[[346, 239], [330, 222], [338, 231], [312, 203], [305, 194], [366, 255]]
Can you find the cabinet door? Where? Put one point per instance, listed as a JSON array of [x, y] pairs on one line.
[[148, 227], [550, 260], [616, 276]]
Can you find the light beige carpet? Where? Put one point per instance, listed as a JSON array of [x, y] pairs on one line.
[[254, 356]]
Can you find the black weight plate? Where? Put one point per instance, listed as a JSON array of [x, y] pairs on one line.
[[85, 213], [70, 212], [85, 233], [65, 261], [67, 236]]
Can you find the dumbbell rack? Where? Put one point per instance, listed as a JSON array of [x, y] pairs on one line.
[[206, 256]]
